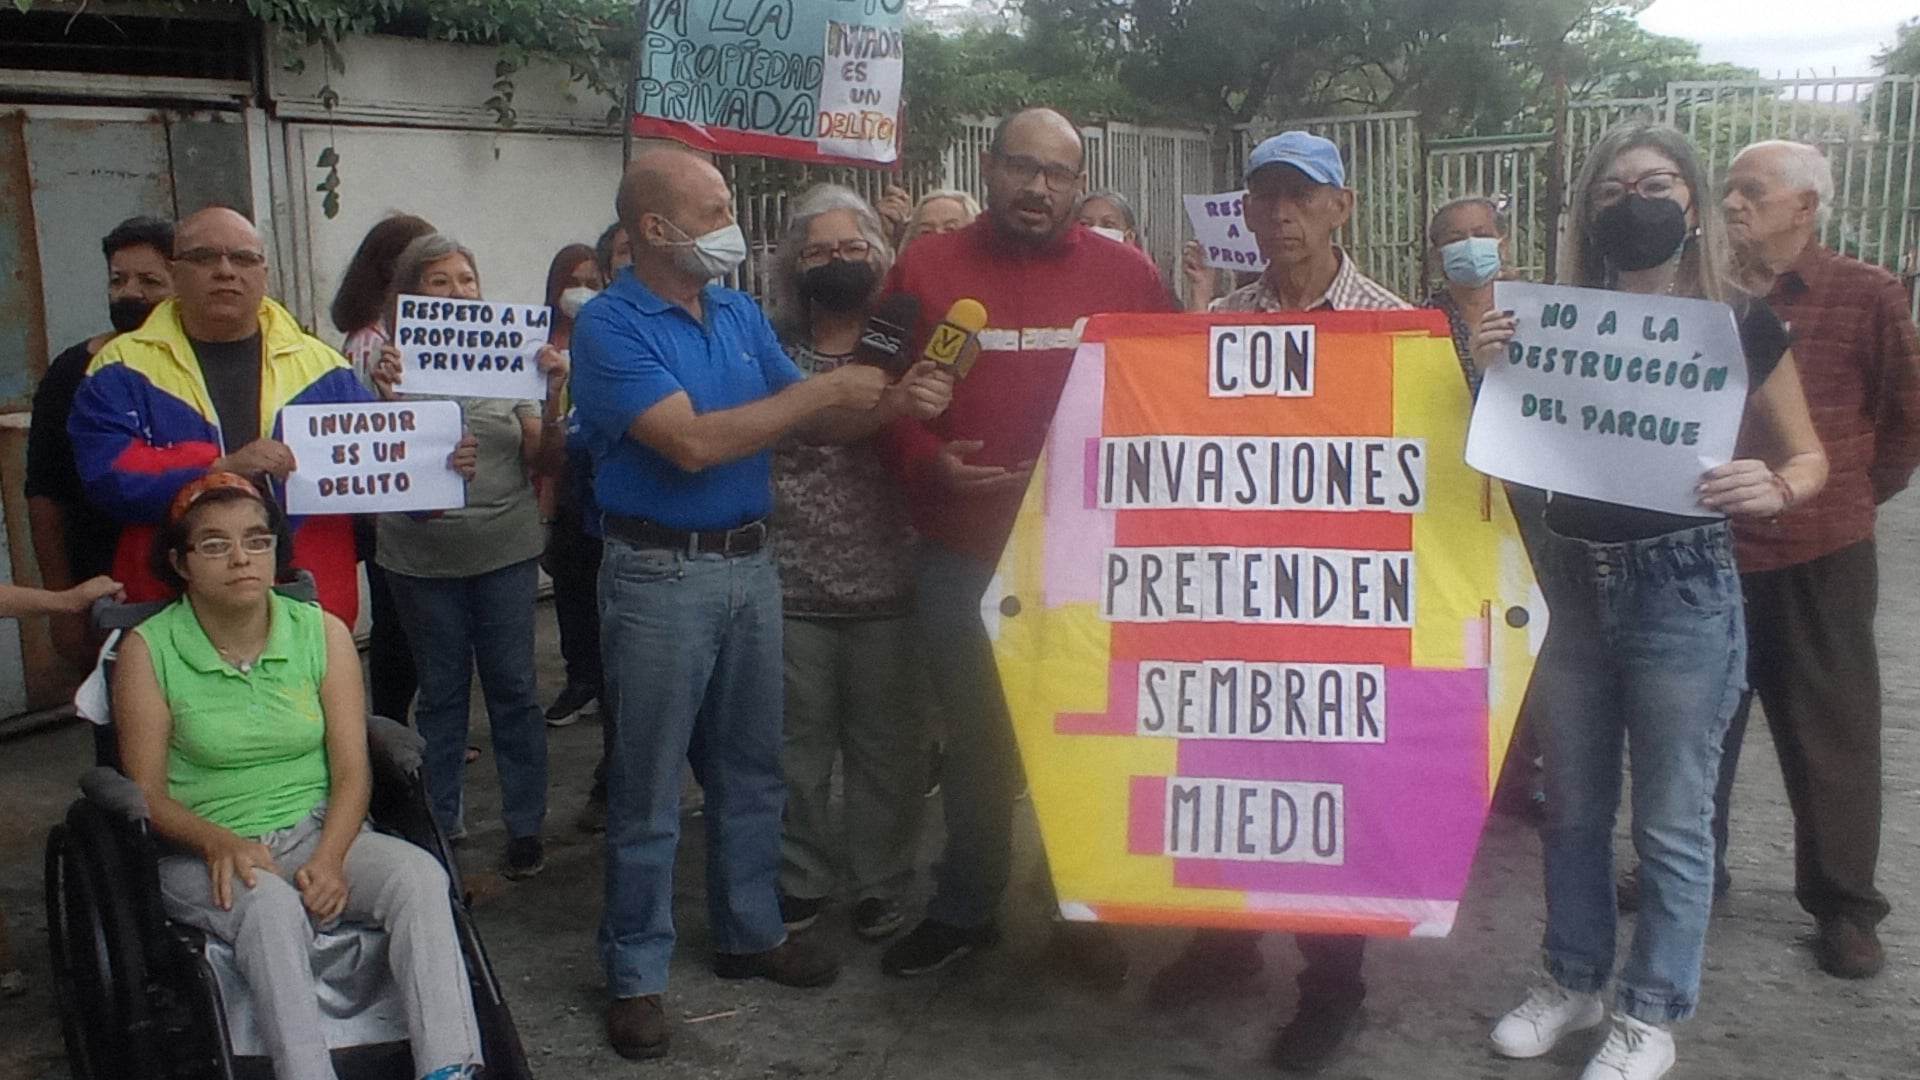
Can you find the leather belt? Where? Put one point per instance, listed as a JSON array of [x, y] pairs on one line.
[[743, 540]]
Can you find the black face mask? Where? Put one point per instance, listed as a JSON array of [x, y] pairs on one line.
[[839, 284], [1638, 233], [128, 313]]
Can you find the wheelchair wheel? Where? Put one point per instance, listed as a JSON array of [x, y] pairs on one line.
[[98, 962]]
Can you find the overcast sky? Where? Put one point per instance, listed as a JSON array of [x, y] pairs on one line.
[[1782, 35]]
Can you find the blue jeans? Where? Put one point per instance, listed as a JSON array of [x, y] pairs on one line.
[[1647, 647], [455, 625], [692, 650], [980, 767]]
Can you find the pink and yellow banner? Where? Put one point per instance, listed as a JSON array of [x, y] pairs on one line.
[[1263, 633]]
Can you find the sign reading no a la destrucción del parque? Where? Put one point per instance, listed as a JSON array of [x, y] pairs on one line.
[[806, 80], [1263, 633]]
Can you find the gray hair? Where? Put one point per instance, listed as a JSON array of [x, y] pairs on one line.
[[1119, 202], [965, 198], [1496, 207], [1803, 168], [423, 252], [791, 316]]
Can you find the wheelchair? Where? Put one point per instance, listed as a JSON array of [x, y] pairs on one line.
[[142, 997]]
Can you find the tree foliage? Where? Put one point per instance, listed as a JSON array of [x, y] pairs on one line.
[[1465, 64]]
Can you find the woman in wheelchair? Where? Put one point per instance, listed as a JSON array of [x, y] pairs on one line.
[[241, 716]]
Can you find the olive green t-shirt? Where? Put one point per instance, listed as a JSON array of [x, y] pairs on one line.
[[499, 526], [248, 750]]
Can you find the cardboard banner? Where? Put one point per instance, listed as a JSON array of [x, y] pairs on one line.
[[817, 81], [1263, 633], [373, 457], [1220, 225], [1613, 396], [471, 348]]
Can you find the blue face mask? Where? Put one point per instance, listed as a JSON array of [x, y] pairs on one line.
[[1471, 262]]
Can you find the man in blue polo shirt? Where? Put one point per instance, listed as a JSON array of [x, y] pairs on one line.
[[681, 388]]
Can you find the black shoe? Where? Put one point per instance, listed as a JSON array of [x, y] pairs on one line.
[[794, 962], [933, 945], [526, 856], [571, 705], [798, 913], [1088, 953], [876, 918], [593, 816], [1214, 965], [1316, 1034]]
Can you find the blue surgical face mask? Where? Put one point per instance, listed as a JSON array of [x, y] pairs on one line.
[[1471, 262]]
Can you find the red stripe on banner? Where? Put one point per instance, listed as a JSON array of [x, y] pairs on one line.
[[1213, 918], [1430, 320], [1263, 528], [1146, 815], [1231, 641], [717, 140]]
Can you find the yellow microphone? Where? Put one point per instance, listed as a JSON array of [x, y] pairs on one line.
[[955, 343]]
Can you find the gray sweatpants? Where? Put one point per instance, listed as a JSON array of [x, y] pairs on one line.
[[390, 883]]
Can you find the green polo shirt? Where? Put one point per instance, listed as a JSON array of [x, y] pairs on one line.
[[248, 751]]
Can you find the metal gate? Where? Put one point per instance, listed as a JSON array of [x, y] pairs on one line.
[[1868, 127]]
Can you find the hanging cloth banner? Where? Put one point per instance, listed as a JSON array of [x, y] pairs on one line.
[[806, 80], [1262, 632]]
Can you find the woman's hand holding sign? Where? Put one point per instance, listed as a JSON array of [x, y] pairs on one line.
[[387, 373], [465, 458], [1490, 338], [1746, 488], [557, 367]]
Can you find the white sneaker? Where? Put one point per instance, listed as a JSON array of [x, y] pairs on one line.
[[1550, 1013], [1633, 1051]]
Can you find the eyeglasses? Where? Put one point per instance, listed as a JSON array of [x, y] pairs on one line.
[[1654, 185], [850, 250], [220, 547], [207, 258], [1024, 169]]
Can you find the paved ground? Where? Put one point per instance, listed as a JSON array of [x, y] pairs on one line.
[[1768, 1013]]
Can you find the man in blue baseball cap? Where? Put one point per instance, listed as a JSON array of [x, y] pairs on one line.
[[1297, 199]]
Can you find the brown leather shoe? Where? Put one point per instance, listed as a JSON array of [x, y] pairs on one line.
[[637, 1027], [1847, 950], [794, 962]]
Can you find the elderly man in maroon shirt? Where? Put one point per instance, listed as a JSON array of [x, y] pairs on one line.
[[1810, 575]]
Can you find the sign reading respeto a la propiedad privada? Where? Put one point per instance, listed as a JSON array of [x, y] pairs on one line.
[[1220, 226], [1615, 396], [807, 80], [1262, 631], [471, 348], [373, 457]]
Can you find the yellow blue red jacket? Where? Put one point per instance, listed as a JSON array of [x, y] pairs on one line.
[[144, 426]]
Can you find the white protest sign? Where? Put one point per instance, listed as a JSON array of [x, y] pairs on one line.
[[1220, 226], [373, 457], [860, 91], [1620, 397], [471, 348]]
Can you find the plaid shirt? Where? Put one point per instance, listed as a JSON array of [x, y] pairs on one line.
[[1858, 355], [1351, 290]]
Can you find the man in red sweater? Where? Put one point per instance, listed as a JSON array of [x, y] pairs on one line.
[[1038, 273]]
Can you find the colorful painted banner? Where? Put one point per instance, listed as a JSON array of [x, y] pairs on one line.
[[1263, 633], [807, 80]]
